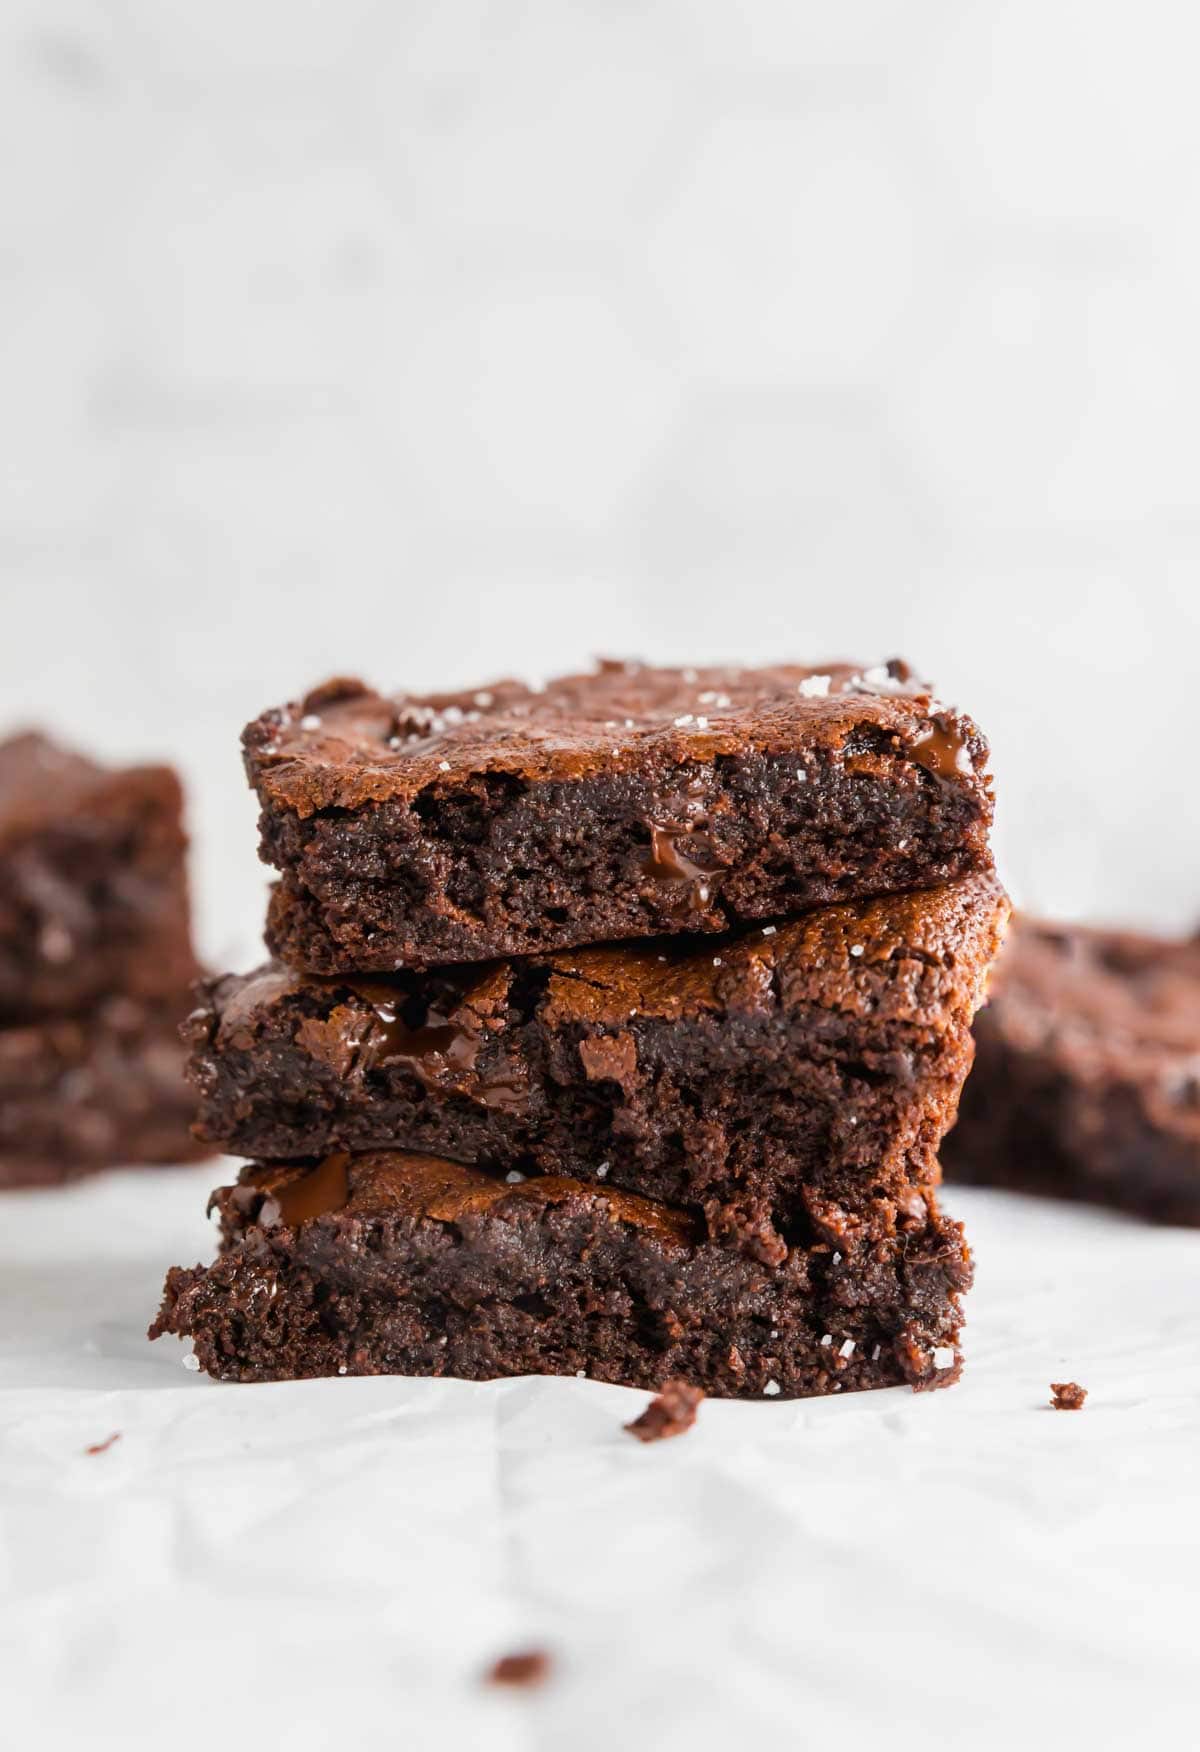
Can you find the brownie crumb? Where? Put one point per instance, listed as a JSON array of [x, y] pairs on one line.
[[670, 1413], [105, 1445], [526, 1668], [1068, 1395]]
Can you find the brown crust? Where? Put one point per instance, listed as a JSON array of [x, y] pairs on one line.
[[344, 745], [426, 1188]]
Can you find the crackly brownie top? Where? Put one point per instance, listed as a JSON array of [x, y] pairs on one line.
[[1106, 1004], [344, 745], [393, 1183], [902, 956], [43, 782]]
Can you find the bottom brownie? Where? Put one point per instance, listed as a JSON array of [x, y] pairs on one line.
[[1087, 1075], [94, 1091], [387, 1263]]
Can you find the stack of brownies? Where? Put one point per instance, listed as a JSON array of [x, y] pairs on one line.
[[96, 964], [613, 1030]]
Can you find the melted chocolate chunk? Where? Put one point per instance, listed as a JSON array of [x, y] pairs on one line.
[[323, 1189], [440, 1053], [677, 856], [942, 750]]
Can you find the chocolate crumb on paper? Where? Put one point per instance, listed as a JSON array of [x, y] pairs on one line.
[[1068, 1395], [528, 1667], [670, 1413], [105, 1445]]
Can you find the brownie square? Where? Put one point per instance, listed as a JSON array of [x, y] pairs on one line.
[[1087, 1080], [393, 1264], [630, 802], [103, 1090], [93, 889], [756, 1080]]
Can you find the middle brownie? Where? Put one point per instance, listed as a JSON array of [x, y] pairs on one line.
[[763, 1080]]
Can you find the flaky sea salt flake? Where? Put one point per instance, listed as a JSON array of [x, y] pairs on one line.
[[772, 1389], [943, 1357], [814, 687]]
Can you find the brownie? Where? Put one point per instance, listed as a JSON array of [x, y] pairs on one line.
[[1087, 1080], [391, 1264], [93, 890], [746, 1079], [103, 1090], [630, 802]]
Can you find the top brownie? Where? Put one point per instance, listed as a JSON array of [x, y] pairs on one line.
[[629, 802], [93, 888]]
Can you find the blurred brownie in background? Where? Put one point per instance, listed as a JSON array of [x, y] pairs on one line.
[[96, 963], [98, 1090], [93, 883], [1087, 1075]]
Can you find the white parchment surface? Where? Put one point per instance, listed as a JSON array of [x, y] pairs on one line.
[[333, 1564]]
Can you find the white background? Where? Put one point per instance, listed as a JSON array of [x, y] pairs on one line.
[[433, 341], [447, 339]]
